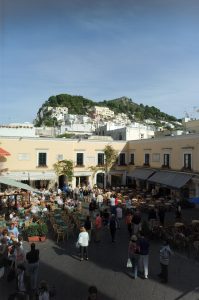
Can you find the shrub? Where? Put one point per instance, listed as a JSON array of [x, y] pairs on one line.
[[32, 230], [42, 229]]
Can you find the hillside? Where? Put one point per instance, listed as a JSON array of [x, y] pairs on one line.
[[80, 106]]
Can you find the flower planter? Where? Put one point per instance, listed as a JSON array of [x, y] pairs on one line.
[[42, 238], [33, 239]]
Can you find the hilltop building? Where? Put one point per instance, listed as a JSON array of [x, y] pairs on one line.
[[135, 131], [190, 125], [101, 112]]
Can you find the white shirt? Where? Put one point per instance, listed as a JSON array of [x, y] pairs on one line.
[[112, 201], [83, 239], [100, 198], [44, 296]]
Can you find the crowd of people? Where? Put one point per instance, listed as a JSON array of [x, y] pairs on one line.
[[107, 209]]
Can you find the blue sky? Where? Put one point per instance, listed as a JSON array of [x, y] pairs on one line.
[[147, 50]]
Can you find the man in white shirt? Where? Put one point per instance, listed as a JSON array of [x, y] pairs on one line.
[[100, 200], [112, 204]]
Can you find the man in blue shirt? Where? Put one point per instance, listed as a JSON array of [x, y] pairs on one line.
[[14, 230]]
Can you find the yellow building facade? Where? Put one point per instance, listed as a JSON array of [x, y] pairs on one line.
[[170, 162]]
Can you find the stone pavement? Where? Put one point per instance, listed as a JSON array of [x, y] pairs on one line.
[[107, 270]]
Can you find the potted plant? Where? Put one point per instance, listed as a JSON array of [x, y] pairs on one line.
[[32, 233], [42, 231]]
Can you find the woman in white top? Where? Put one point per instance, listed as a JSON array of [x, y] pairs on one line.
[[83, 241], [43, 291]]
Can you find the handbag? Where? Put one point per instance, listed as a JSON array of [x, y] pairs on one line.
[[129, 264], [77, 245]]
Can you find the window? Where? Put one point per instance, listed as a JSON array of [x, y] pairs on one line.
[[146, 159], [100, 159], [132, 159], [166, 162], [42, 159], [187, 161], [80, 159], [122, 159]]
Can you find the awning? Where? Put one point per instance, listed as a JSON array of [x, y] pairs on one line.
[[143, 174], [84, 174], [4, 152], [17, 184], [171, 179], [25, 175]]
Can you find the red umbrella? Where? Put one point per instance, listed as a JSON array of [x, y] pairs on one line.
[[4, 152]]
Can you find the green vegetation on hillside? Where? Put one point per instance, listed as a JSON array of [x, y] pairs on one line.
[[80, 106]]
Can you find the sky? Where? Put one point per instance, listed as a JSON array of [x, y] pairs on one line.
[[147, 50]]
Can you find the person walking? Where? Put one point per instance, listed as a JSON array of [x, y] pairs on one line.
[[92, 293], [88, 226], [32, 258], [98, 227], [133, 254], [22, 280], [144, 256], [112, 204], [19, 255], [161, 215], [136, 222], [100, 200], [128, 221], [119, 215], [43, 293], [113, 227], [165, 253], [91, 208], [152, 217], [83, 241]]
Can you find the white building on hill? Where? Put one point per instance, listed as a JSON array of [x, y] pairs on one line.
[[18, 129]]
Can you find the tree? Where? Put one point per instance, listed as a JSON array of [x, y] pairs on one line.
[[64, 167], [110, 159]]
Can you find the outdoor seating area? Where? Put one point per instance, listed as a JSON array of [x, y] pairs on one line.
[[63, 214], [182, 236]]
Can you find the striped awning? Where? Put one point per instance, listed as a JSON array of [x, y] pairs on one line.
[[4, 152]]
